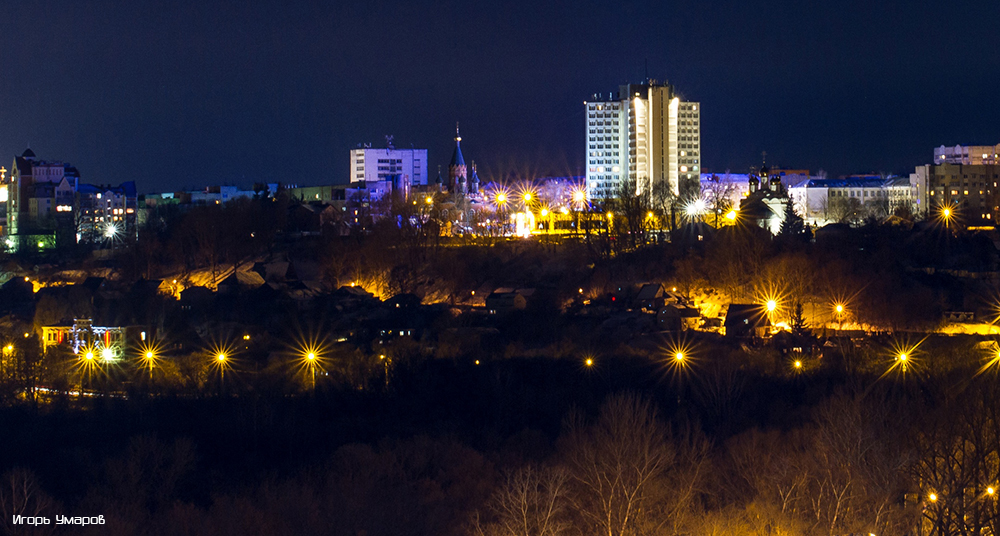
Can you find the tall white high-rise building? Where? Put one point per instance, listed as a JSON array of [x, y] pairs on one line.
[[371, 165], [644, 133]]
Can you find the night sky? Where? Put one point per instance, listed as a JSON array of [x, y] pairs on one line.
[[180, 93]]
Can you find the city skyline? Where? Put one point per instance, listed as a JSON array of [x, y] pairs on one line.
[[182, 95]]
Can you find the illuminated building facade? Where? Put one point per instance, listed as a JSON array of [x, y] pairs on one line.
[[107, 343], [48, 207], [373, 165], [970, 190], [106, 213], [967, 154], [38, 194], [644, 134]]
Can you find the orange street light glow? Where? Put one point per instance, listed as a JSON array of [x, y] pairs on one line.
[[589, 362]]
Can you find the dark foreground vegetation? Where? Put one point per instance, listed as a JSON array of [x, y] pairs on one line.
[[726, 445]]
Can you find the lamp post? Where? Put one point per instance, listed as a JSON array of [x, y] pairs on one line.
[[220, 358], [311, 362]]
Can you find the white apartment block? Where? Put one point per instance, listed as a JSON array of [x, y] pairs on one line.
[[646, 134], [967, 154], [372, 165]]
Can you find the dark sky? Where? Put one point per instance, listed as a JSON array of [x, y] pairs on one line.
[[182, 93]]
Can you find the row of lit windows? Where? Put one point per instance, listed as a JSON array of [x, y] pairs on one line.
[[853, 193]]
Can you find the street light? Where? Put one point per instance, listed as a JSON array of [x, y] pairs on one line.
[[148, 355], [220, 359]]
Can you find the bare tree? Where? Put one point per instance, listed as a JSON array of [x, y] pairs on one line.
[[531, 501], [614, 464], [20, 495]]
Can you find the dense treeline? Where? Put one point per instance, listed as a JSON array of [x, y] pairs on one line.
[[527, 447]]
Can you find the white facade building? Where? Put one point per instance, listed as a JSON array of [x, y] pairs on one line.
[[372, 165], [967, 154], [645, 134], [823, 201]]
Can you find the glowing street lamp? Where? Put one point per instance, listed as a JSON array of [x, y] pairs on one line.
[[771, 305], [798, 364], [220, 360], [731, 215], [932, 497], [589, 362], [147, 354]]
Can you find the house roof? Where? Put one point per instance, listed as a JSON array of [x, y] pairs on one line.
[[650, 291], [243, 279], [753, 313]]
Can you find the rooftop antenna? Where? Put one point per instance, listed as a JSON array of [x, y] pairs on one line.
[[646, 68], [388, 141]]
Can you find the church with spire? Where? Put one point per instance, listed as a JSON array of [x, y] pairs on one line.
[[457, 171], [767, 201]]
